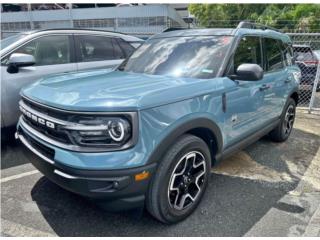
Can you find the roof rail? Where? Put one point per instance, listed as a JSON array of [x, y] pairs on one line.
[[170, 29], [252, 25], [81, 29]]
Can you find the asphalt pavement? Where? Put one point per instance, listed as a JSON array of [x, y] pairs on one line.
[[268, 189]]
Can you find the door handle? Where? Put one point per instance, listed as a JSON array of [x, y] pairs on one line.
[[287, 80], [264, 87]]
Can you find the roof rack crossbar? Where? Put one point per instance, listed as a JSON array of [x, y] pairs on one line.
[[170, 29], [252, 25]]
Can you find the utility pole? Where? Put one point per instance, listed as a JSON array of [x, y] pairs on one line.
[[30, 16], [70, 14]]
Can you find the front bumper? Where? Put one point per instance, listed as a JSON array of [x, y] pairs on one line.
[[116, 189]]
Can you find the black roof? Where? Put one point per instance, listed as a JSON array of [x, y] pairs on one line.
[[195, 32], [183, 32]]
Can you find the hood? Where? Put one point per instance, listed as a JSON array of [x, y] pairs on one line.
[[107, 90]]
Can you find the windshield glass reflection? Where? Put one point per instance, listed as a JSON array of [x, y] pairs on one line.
[[196, 57]]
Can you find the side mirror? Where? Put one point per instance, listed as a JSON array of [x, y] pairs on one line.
[[18, 60], [249, 72]]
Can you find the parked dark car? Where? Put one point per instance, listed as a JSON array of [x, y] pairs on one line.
[[308, 62]]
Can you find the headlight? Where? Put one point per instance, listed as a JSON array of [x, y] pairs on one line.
[[118, 129], [99, 131]]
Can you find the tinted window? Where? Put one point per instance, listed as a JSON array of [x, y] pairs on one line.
[[118, 53], [95, 48], [248, 51], [48, 50], [273, 55], [304, 54], [287, 53], [196, 57], [127, 48]]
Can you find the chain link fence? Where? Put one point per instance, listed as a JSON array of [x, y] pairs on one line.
[[306, 48]]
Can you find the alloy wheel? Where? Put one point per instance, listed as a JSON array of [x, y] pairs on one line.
[[288, 120], [187, 180]]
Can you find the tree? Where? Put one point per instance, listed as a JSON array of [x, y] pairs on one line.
[[288, 17]]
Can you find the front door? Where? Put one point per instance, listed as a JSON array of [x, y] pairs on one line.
[[245, 112]]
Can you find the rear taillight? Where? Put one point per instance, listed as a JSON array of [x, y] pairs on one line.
[[310, 63]]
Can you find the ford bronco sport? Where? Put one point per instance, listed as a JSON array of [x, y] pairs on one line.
[[149, 131]]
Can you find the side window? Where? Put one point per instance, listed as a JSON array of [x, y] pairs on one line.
[[95, 48], [248, 51], [118, 53], [127, 48], [273, 55], [287, 52], [48, 50]]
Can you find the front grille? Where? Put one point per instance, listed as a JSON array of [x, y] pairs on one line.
[[47, 111], [53, 134], [56, 133], [69, 129], [46, 151]]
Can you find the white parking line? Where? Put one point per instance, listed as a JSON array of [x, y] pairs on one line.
[[17, 176]]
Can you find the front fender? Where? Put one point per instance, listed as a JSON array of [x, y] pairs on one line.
[[181, 126]]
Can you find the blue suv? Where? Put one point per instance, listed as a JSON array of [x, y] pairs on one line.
[[148, 132]]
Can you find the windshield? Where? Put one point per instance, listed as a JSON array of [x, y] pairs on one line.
[[196, 57], [9, 40], [304, 56]]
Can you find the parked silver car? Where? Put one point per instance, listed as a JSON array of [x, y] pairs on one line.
[[27, 57]]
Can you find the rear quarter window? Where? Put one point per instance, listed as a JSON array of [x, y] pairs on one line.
[[126, 47], [287, 52]]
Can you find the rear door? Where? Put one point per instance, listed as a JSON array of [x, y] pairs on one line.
[[53, 54], [276, 77], [96, 51]]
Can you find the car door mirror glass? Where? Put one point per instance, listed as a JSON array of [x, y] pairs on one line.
[[17, 60]]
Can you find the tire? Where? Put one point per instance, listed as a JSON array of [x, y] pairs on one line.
[[284, 128], [166, 204]]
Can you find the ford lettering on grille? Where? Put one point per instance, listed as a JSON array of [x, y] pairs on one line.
[[37, 119]]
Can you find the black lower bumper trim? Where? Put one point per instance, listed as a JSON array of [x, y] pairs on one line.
[[116, 188], [121, 204]]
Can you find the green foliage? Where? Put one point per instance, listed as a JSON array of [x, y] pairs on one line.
[[288, 17]]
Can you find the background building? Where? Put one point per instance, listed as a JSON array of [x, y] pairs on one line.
[[142, 20]]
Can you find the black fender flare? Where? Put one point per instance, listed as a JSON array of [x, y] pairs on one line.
[[183, 128], [294, 90]]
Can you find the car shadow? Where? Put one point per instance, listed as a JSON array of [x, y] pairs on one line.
[[13, 154], [231, 206]]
